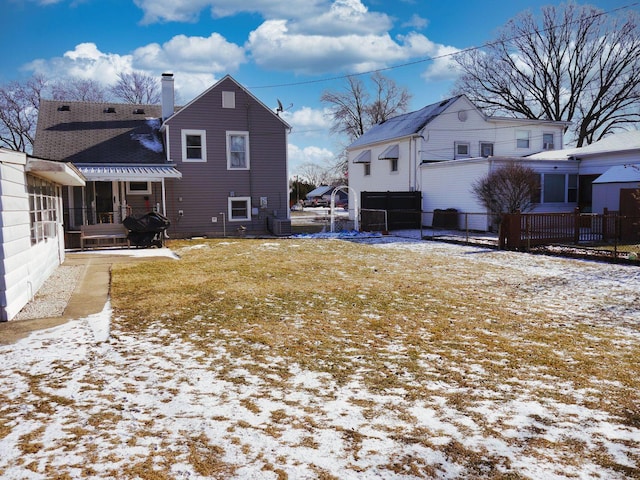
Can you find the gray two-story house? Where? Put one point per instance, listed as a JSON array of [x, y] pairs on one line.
[[216, 166]]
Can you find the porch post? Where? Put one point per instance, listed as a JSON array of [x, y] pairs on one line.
[[164, 199]]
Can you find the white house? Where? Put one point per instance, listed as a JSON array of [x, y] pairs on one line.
[[442, 148], [31, 227], [604, 168]]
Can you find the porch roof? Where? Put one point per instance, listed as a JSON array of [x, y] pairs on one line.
[[128, 173]]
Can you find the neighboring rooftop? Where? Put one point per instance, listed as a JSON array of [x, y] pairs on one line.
[[111, 132], [618, 142], [403, 125]]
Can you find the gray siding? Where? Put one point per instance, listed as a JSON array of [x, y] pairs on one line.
[[204, 190]]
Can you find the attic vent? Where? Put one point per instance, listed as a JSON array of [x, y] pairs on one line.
[[138, 111], [443, 103], [109, 110], [64, 108]]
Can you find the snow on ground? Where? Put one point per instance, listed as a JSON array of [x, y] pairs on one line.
[[140, 396]]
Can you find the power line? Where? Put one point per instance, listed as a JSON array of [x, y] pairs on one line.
[[430, 59]]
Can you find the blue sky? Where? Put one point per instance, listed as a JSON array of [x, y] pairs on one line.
[[290, 50]]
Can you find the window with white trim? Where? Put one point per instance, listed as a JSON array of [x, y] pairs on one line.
[[239, 209], [43, 209], [138, 188], [367, 169], [194, 146], [238, 150], [547, 141], [462, 149], [522, 138], [558, 188], [394, 164]]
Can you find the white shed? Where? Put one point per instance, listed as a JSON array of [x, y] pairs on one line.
[[607, 187]]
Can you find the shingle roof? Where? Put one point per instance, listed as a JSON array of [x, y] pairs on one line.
[[88, 132], [403, 125]]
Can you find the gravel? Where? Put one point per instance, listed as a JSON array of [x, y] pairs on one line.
[[53, 297]]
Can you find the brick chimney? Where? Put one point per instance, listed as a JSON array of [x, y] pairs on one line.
[[168, 97]]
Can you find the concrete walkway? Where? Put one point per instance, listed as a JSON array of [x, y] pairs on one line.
[[89, 296]]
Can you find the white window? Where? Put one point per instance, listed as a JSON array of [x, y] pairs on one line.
[[138, 188], [194, 146], [547, 141], [228, 99], [367, 169], [462, 149], [394, 164], [43, 209], [522, 138], [238, 150], [239, 209]]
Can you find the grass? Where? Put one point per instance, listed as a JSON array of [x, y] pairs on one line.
[[398, 323]]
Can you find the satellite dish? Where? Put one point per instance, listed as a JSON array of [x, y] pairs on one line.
[[281, 108]]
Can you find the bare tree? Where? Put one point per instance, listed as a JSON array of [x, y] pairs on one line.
[[510, 188], [137, 88], [19, 103], [574, 64], [80, 90], [354, 110], [315, 174], [389, 99]]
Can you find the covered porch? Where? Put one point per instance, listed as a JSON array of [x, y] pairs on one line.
[[114, 192]]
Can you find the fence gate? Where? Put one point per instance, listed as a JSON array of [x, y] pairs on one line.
[[402, 210]]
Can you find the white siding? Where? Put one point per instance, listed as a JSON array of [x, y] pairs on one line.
[[23, 267], [382, 179], [448, 185], [597, 165], [607, 195]]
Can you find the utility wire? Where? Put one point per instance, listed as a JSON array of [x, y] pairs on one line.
[[430, 59]]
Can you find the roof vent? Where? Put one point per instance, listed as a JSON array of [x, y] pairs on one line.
[[138, 111], [64, 108], [444, 102], [109, 110]]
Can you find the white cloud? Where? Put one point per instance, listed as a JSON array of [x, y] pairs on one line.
[[299, 156], [274, 47], [343, 17], [416, 21], [85, 62], [189, 10], [443, 66], [195, 61], [308, 120], [196, 54]]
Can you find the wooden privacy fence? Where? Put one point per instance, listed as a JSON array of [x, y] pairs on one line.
[[520, 231]]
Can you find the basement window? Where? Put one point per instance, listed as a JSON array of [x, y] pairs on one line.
[[239, 209]]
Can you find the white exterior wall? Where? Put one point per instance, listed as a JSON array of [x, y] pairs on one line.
[[448, 185], [382, 179], [441, 134], [23, 267], [607, 195], [597, 165]]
